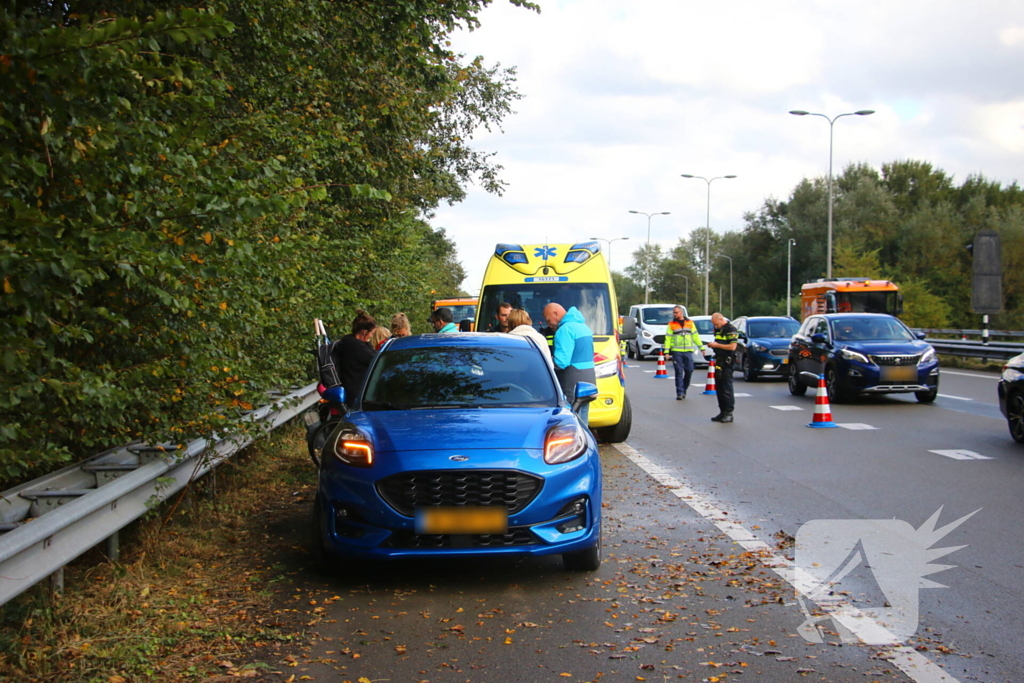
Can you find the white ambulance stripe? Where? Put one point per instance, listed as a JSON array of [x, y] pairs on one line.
[[911, 662]]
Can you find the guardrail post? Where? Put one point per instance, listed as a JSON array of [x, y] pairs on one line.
[[113, 547], [57, 582]]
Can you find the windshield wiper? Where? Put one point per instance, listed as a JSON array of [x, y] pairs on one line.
[[444, 405], [380, 405]]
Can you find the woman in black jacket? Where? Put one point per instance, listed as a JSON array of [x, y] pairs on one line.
[[354, 355]]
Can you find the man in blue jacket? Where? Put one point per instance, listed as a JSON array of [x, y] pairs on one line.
[[574, 350]]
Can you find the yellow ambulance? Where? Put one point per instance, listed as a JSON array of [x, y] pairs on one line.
[[530, 276]]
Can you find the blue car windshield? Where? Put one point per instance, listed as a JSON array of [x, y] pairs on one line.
[[869, 329], [771, 329], [459, 377]]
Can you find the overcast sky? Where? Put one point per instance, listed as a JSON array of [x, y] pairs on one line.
[[620, 97]]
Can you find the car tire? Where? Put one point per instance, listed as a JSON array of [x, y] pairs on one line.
[[927, 396], [835, 392], [588, 560], [617, 433], [322, 561], [749, 373], [1015, 415], [796, 387], [629, 351]]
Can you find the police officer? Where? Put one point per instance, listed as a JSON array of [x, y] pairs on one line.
[[725, 353], [681, 340]]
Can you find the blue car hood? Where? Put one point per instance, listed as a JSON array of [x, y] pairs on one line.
[[465, 429], [883, 348]]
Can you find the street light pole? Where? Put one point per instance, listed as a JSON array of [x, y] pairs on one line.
[[730, 285], [647, 273], [707, 236], [789, 276], [614, 239], [831, 128]]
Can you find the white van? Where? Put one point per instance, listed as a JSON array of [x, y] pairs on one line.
[[651, 321]]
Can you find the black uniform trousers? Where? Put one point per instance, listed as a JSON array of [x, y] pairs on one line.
[[724, 391]]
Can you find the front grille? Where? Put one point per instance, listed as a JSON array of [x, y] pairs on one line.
[[409, 490], [780, 353], [895, 360], [659, 339], [407, 539]]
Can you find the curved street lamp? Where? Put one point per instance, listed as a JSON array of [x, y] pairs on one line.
[[614, 239], [707, 235], [647, 274], [831, 127]]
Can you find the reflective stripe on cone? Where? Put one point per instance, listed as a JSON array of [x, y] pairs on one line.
[[822, 409]]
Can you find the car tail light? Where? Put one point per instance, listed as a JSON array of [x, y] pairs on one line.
[[605, 366], [563, 443]]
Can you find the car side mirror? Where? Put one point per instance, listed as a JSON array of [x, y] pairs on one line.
[[335, 394], [585, 393], [920, 335], [819, 338], [629, 328]]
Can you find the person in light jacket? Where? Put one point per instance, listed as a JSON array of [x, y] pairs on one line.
[[574, 350], [521, 324]]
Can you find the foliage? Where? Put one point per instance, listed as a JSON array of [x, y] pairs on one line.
[[184, 188], [908, 222]]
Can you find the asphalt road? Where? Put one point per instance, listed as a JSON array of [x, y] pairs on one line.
[[697, 516]]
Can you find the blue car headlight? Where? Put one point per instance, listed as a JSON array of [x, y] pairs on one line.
[[352, 447], [563, 443], [853, 355], [927, 357]]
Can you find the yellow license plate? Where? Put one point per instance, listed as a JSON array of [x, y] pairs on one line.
[[462, 520], [900, 374], [785, 360]]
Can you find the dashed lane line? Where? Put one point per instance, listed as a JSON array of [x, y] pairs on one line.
[[911, 662], [960, 454], [955, 398], [856, 426], [969, 374], [786, 407]]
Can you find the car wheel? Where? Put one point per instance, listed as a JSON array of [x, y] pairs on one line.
[[617, 433], [588, 560], [927, 396], [796, 387], [835, 392], [1015, 415], [749, 373], [629, 351], [321, 559]]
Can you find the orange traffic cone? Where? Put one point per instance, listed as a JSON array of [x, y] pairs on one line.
[[709, 388], [822, 409], [661, 373]]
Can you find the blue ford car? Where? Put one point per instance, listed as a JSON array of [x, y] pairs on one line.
[[461, 445], [862, 353]]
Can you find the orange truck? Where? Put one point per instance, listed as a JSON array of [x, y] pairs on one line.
[[850, 295], [463, 308]]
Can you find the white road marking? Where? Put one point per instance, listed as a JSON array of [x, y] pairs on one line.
[[955, 398], [650, 371], [969, 374], [786, 407], [855, 426], [960, 454], [911, 662], [739, 395]]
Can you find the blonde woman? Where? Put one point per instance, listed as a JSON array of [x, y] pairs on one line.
[[520, 323], [379, 335], [400, 325]]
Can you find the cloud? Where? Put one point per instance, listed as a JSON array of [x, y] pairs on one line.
[[621, 98]]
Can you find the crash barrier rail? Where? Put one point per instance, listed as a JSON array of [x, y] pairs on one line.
[[972, 333], [47, 523], [975, 349]]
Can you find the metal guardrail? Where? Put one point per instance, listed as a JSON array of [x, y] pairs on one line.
[[47, 523], [975, 349], [974, 333]]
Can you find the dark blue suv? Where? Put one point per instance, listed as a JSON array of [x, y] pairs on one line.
[[862, 353], [763, 346]]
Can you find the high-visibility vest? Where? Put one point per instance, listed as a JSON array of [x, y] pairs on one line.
[[682, 337]]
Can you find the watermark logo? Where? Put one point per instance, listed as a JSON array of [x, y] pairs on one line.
[[863, 576]]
